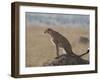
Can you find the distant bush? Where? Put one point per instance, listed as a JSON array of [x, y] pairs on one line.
[[84, 40]]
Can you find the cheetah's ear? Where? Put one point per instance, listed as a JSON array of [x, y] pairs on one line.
[[49, 29]]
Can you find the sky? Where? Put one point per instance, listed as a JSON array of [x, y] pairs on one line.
[[55, 20]]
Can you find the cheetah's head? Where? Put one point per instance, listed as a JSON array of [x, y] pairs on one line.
[[49, 30]]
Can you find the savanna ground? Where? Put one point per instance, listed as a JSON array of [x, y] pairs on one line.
[[39, 48]]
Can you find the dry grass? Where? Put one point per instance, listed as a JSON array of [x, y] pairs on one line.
[[39, 48]]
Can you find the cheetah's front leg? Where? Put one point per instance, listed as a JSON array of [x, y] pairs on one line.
[[57, 50]]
